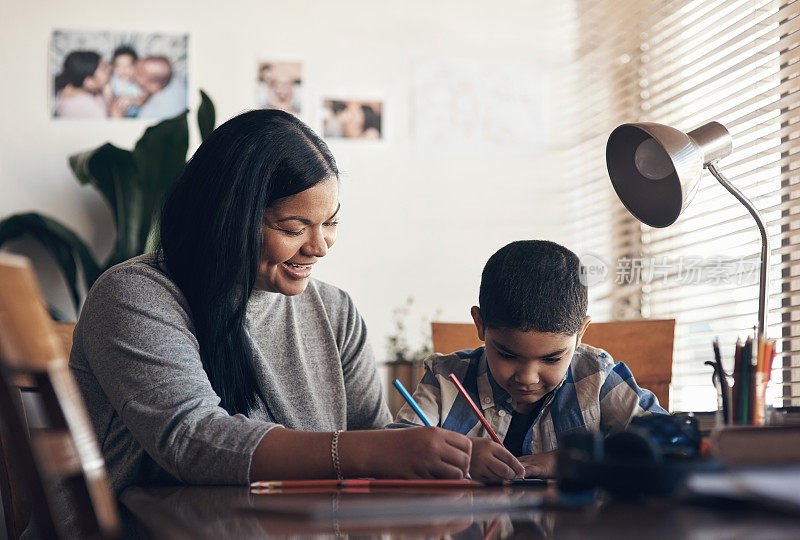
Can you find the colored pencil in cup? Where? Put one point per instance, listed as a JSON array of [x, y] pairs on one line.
[[770, 361], [747, 382], [737, 384], [411, 402], [725, 389], [475, 409], [766, 353]]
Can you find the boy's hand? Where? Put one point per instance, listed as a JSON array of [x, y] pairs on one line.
[[539, 465], [491, 461]]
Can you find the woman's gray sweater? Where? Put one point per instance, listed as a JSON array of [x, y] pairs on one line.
[[137, 362]]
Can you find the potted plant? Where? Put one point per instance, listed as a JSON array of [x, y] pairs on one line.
[[403, 361], [134, 183]]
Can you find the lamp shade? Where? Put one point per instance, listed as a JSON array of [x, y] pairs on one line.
[[655, 169]]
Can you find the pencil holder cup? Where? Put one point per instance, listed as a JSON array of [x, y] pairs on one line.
[[759, 401]]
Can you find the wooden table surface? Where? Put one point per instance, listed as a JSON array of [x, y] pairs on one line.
[[221, 512]]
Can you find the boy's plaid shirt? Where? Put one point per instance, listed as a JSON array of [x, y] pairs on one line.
[[597, 394]]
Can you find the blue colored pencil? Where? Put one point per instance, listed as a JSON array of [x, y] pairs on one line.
[[410, 400]]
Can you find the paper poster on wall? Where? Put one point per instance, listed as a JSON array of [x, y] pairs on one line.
[[352, 119], [280, 86], [97, 75], [469, 107]]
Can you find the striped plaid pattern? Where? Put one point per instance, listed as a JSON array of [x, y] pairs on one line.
[[597, 394]]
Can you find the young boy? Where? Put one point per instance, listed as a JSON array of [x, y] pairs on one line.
[[533, 379], [128, 95]]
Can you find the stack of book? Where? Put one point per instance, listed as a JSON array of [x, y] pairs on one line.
[[757, 445]]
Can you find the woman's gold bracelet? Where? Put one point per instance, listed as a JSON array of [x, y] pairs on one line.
[[337, 467]]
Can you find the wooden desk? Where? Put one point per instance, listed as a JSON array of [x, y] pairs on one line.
[[218, 513]]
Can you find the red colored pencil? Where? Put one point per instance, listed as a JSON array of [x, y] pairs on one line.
[[363, 483], [475, 408], [768, 367], [492, 529]]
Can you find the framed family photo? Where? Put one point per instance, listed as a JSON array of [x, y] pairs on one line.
[[104, 75]]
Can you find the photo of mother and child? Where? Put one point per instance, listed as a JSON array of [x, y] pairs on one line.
[[126, 86]]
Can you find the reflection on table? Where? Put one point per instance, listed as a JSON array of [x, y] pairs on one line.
[[218, 513]]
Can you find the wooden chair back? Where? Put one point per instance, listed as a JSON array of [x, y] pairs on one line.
[[15, 490], [449, 337], [645, 345], [32, 355]]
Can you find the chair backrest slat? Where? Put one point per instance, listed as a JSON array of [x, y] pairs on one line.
[[23, 316]]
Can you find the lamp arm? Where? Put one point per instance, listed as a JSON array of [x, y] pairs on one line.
[[763, 284]]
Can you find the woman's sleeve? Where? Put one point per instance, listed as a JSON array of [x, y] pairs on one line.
[[136, 335], [366, 406]]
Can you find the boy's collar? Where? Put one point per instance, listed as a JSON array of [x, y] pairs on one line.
[[489, 391]]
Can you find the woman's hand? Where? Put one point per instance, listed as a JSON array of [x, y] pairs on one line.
[[420, 452], [491, 461], [539, 465]]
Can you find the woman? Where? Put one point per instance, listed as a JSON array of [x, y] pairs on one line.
[[81, 85], [219, 359]]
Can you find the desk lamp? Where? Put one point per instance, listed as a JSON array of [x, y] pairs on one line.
[[656, 169]]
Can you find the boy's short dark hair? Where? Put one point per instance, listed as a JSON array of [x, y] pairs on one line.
[[123, 50], [533, 285]]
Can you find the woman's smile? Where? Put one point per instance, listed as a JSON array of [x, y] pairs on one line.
[[297, 271]]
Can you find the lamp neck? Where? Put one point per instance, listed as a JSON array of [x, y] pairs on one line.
[[763, 282]]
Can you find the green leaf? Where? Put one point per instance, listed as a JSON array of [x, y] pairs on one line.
[[108, 168], [114, 172], [206, 115], [160, 155], [62, 243]]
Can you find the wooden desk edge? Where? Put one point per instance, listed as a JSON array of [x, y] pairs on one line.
[[158, 522]]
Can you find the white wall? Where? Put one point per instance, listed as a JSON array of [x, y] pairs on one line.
[[413, 223]]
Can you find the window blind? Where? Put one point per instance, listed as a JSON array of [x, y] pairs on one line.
[[684, 63]]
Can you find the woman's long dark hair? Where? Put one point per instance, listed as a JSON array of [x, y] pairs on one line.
[[77, 66], [211, 232]]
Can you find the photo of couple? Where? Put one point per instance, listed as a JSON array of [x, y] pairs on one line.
[[352, 119], [107, 75]]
